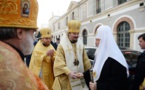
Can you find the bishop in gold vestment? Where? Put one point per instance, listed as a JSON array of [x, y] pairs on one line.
[[41, 63], [70, 57]]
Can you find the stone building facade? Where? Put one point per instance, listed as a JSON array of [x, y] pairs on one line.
[[125, 17]]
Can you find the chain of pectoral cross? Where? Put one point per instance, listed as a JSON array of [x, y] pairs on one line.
[[76, 61]]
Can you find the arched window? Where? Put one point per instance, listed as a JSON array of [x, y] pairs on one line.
[[53, 38], [66, 21], [85, 37], [123, 35], [73, 15]]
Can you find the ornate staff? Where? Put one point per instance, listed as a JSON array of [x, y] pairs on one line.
[[91, 75]]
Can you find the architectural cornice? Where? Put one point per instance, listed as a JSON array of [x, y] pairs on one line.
[[136, 31], [115, 9], [61, 17], [103, 13]]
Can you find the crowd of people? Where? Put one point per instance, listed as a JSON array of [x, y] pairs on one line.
[[63, 65]]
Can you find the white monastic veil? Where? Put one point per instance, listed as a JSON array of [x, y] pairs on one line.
[[107, 48]]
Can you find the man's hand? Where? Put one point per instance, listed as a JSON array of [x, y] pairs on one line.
[[143, 87], [79, 75], [72, 75], [93, 86], [50, 53]]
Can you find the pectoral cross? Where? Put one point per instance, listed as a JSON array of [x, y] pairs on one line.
[[76, 62]]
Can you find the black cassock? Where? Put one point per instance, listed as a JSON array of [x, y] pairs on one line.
[[113, 76]]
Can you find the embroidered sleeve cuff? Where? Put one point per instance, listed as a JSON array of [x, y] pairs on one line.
[[45, 58], [67, 72]]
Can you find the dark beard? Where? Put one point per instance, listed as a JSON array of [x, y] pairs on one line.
[[45, 45], [73, 41]]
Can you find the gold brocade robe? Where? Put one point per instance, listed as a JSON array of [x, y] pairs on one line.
[[42, 63], [61, 70], [14, 74], [142, 85]]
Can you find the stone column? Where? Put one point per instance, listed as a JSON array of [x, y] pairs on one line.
[[115, 36], [131, 38]]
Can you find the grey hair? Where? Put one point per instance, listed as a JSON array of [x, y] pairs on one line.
[[7, 33]]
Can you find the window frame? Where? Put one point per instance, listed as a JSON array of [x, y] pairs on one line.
[[123, 35], [84, 34]]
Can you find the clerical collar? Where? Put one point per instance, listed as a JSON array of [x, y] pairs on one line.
[[20, 53]]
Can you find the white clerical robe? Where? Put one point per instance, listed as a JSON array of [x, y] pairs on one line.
[[64, 64]]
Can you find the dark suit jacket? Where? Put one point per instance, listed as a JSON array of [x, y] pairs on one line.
[[140, 72], [55, 45]]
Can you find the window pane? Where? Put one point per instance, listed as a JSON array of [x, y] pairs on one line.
[[123, 35], [121, 1], [85, 37]]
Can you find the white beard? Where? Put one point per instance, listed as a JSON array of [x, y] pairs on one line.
[[27, 44]]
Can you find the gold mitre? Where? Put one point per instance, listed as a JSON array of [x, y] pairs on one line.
[[74, 26], [45, 32], [18, 13]]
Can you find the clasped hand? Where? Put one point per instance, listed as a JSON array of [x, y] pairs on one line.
[[50, 53], [75, 75], [93, 86]]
